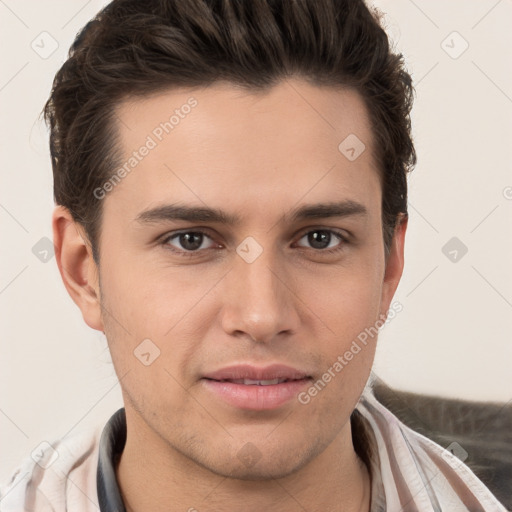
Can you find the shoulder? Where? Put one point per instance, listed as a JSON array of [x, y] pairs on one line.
[[57, 476], [409, 467]]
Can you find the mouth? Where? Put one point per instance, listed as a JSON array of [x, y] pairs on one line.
[[250, 374], [258, 382], [257, 389]]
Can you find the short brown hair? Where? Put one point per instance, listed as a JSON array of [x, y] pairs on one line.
[[135, 48]]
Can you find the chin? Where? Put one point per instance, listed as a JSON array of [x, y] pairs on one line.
[[252, 465], [260, 472]]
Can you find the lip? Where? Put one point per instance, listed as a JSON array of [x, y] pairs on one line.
[[256, 397], [248, 371]]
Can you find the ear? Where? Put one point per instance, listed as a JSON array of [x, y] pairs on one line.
[[394, 264], [77, 266]]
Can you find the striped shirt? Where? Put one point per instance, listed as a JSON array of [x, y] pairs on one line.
[[409, 472]]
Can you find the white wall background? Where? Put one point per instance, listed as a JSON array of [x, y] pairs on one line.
[[452, 337]]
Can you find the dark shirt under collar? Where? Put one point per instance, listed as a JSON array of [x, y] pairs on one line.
[[112, 441]]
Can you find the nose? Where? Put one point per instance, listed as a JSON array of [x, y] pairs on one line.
[[259, 300]]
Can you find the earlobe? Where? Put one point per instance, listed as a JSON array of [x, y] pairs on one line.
[[394, 263], [76, 266]]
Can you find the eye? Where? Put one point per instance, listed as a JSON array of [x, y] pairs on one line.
[[188, 241], [325, 240]]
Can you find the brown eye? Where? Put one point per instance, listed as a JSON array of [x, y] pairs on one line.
[[187, 241], [322, 239]]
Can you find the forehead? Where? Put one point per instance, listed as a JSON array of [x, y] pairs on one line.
[[265, 149]]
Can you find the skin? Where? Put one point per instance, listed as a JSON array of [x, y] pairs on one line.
[[258, 156]]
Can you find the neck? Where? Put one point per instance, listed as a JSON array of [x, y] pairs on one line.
[[154, 476]]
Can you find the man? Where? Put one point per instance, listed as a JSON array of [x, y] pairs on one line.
[[230, 180]]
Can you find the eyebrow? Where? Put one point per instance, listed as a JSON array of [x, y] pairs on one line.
[[172, 212]]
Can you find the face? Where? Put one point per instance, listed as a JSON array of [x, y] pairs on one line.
[[243, 243]]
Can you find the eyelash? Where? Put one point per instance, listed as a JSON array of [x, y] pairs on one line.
[[185, 253]]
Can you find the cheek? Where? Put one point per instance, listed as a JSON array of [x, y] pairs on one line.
[[156, 316], [346, 299], [149, 346], [345, 306], [346, 310], [150, 297]]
